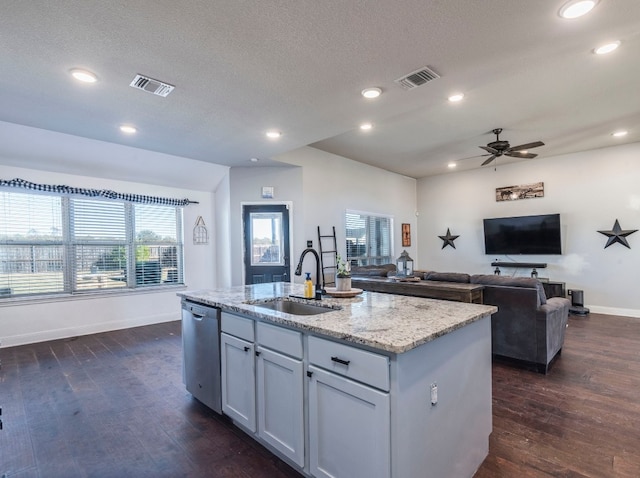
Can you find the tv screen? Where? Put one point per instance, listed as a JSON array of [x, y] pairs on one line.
[[523, 235]]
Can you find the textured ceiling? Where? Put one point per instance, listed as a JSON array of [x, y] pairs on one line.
[[242, 67]]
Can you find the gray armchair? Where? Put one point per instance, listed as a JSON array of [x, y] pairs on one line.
[[528, 328]]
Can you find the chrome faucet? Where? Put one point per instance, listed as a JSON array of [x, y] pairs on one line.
[[298, 271]]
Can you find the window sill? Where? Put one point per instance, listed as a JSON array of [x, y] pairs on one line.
[[43, 299]]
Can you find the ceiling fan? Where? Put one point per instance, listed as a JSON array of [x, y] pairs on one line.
[[499, 148]]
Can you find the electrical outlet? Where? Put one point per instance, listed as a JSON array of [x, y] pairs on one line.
[[309, 243], [434, 393]]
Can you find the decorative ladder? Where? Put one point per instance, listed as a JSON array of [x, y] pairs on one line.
[[331, 255]]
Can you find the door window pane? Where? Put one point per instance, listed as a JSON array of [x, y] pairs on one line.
[[266, 239]]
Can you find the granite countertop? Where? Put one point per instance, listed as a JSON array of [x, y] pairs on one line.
[[388, 322]]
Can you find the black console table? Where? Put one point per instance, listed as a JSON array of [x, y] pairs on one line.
[[551, 288], [520, 265], [525, 265]]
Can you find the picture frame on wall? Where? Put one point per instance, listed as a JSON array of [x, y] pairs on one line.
[[522, 191], [406, 235]]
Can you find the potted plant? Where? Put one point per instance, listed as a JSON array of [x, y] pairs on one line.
[[343, 274]]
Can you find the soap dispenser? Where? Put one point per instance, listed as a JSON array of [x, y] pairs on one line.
[[308, 286]]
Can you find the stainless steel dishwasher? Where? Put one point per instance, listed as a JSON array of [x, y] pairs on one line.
[[201, 353]]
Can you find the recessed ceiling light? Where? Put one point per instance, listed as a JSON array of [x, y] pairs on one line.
[[619, 134], [452, 165], [128, 129], [254, 160], [456, 97], [577, 8], [366, 126], [273, 134], [371, 93], [607, 48], [84, 75]]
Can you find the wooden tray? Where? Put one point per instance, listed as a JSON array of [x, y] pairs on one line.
[[333, 292]]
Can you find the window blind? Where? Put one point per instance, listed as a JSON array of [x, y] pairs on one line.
[[368, 239], [52, 243], [31, 244]]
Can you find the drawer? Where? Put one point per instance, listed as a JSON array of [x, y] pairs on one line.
[[283, 340], [357, 364], [238, 326]]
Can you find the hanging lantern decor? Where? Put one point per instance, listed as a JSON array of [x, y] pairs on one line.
[[404, 265]]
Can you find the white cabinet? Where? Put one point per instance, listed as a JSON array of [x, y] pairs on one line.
[[238, 380], [262, 382], [263, 390], [349, 421], [280, 403], [349, 428]]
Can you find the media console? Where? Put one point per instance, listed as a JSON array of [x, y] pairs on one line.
[[551, 288], [525, 265]]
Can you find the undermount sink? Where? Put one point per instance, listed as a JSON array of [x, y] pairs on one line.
[[288, 306]]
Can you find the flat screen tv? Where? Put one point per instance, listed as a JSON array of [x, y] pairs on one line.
[[523, 235]]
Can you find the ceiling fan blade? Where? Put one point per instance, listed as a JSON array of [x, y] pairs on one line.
[[488, 160], [489, 149], [471, 157], [519, 154], [522, 147]]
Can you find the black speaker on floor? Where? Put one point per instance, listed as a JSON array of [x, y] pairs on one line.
[[577, 302]]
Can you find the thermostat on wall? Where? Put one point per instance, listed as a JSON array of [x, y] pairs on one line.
[[267, 192]]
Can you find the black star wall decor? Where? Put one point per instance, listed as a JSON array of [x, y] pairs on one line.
[[617, 235], [448, 239]]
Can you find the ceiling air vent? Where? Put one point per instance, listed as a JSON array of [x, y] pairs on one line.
[[152, 86], [417, 78]]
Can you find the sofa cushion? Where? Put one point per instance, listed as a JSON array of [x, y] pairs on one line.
[[373, 270], [492, 279], [447, 276]]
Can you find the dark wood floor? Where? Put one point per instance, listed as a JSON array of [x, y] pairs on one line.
[[113, 405]]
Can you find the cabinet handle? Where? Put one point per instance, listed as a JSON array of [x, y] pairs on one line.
[[309, 373], [197, 317], [257, 353], [342, 361], [246, 349]]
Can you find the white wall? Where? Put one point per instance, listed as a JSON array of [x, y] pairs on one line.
[[332, 184], [246, 188], [25, 321], [321, 188], [590, 190]]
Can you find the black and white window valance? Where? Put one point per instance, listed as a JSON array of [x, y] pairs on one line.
[[104, 193]]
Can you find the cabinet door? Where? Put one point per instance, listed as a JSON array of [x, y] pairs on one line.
[[238, 380], [349, 428], [280, 403]]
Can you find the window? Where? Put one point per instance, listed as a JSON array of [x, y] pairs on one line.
[[368, 239], [62, 244], [266, 239]]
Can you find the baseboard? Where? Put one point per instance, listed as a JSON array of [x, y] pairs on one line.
[[614, 311], [87, 329]]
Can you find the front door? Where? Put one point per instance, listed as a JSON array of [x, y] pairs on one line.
[[266, 243]]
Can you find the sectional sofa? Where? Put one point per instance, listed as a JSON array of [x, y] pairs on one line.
[[528, 330]]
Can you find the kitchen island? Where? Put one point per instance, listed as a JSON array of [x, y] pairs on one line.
[[377, 385]]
